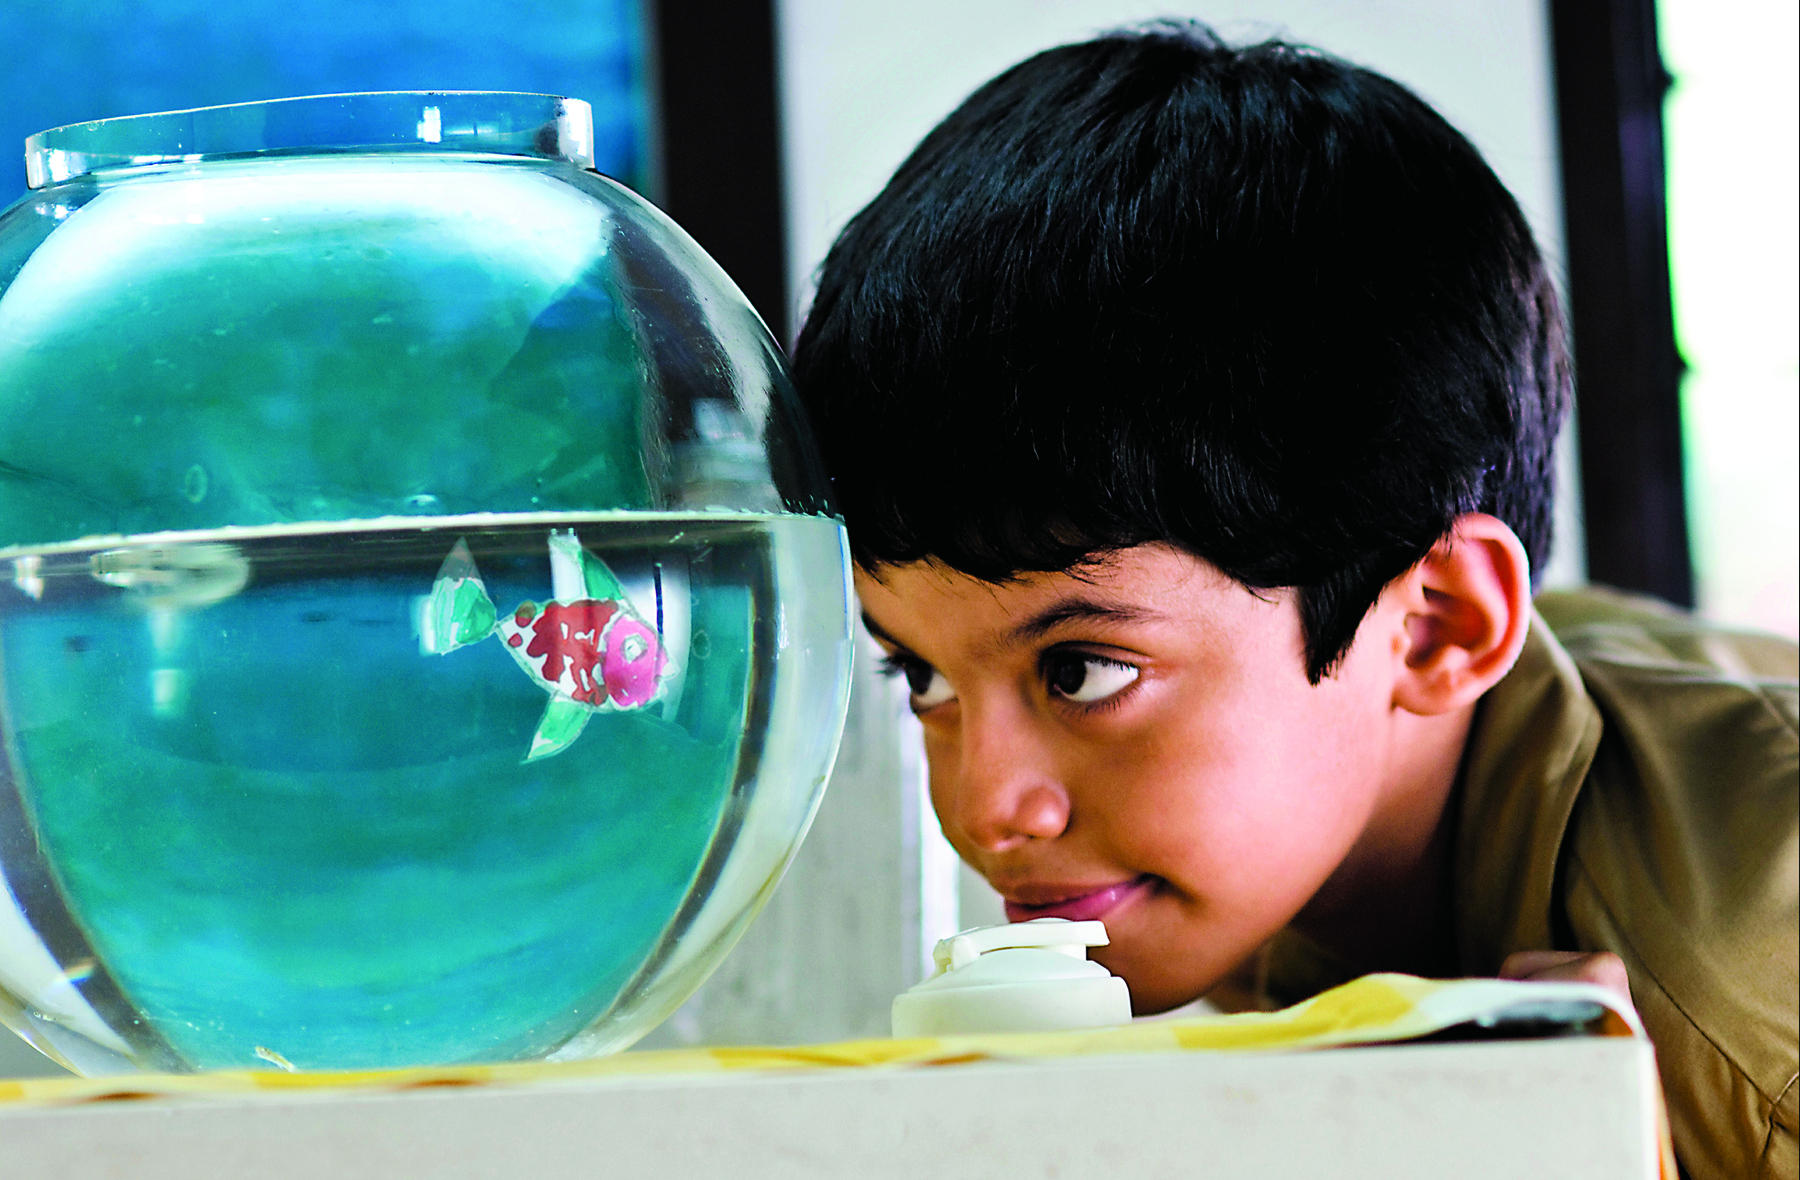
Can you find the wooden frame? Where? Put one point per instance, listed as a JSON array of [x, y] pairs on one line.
[[1610, 85]]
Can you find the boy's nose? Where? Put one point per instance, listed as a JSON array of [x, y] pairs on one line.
[[1001, 800]]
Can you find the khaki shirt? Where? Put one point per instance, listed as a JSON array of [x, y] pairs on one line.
[[1633, 785]]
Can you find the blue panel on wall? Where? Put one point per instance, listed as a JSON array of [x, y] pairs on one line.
[[68, 63]]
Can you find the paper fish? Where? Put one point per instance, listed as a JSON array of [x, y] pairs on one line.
[[587, 647]]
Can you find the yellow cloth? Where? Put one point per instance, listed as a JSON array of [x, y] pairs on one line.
[[1633, 785], [1371, 1010]]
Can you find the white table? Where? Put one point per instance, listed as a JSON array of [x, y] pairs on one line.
[[1565, 1107]]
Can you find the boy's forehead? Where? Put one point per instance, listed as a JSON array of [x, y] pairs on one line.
[[1144, 584]]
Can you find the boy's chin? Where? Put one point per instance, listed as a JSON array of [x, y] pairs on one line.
[[1154, 1002], [1154, 988]]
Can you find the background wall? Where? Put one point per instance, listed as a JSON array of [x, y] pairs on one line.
[[71, 63]]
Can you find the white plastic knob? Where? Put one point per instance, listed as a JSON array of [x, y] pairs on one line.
[[1027, 977]]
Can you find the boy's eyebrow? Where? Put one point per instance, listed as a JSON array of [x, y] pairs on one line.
[[1079, 610], [875, 630]]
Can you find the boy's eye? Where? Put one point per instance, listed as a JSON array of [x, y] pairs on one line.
[[1085, 679], [927, 684], [929, 688]]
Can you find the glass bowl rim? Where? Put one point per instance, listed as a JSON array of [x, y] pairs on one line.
[[518, 123]]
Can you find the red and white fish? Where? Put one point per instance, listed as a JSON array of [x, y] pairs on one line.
[[587, 647]]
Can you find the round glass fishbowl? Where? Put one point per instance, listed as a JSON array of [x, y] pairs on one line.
[[424, 628]]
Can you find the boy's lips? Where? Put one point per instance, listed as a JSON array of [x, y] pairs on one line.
[[1078, 904]]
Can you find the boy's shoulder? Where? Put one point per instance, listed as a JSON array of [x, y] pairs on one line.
[[1641, 749], [1634, 786], [1622, 712], [1646, 640]]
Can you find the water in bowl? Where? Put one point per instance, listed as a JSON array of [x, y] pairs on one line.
[[268, 805]]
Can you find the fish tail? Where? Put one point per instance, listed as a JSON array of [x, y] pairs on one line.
[[458, 611]]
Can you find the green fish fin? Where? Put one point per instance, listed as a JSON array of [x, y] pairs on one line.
[[602, 586], [569, 560], [458, 611], [562, 723]]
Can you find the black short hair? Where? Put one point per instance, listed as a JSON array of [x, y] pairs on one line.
[[1255, 302]]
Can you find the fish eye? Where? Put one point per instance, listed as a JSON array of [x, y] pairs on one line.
[[1084, 678]]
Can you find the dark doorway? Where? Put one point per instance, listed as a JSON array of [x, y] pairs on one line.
[[1610, 85]]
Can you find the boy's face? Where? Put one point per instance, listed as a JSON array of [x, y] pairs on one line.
[[1139, 743]]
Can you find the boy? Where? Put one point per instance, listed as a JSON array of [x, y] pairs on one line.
[[1191, 410]]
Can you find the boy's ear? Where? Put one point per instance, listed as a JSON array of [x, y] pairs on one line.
[[1466, 609]]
